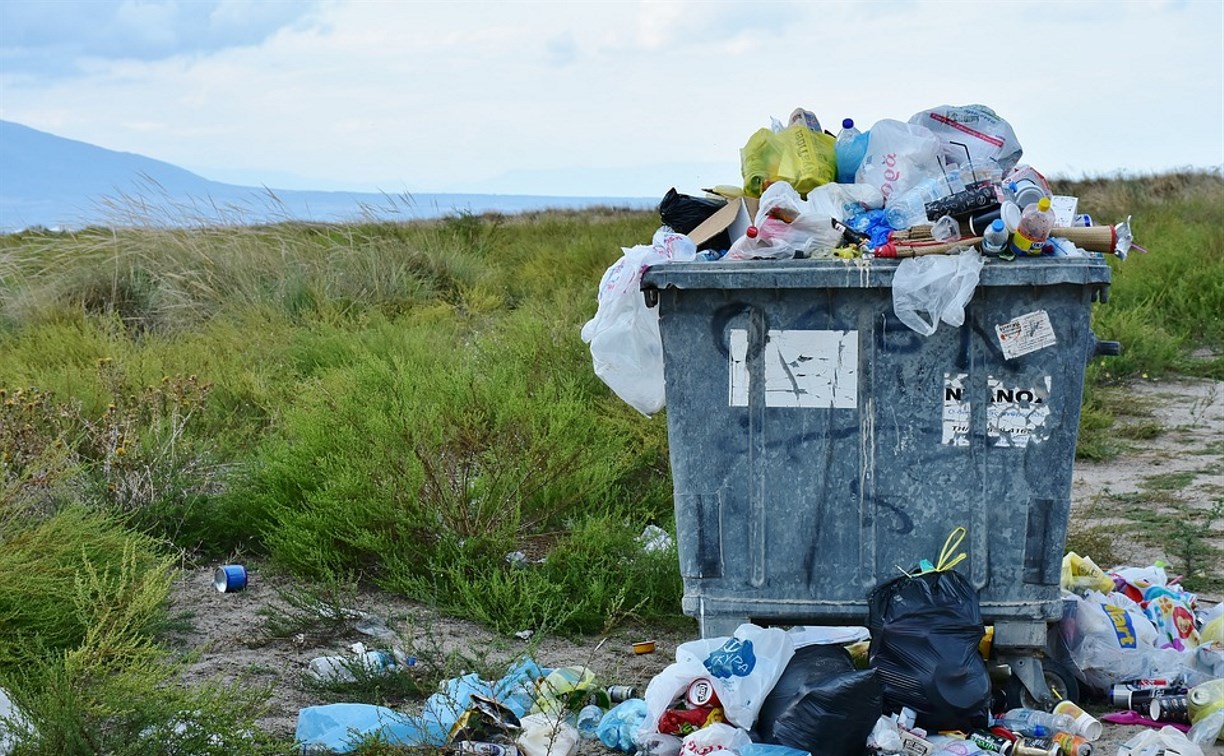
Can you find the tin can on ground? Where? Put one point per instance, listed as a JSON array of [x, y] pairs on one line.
[[988, 741], [700, 692], [230, 578], [1138, 698], [621, 693], [486, 749], [1036, 747], [1170, 709], [1072, 745]]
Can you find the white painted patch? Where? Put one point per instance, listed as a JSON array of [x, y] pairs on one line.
[[812, 369], [1025, 334]]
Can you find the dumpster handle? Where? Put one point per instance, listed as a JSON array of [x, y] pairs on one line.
[[1108, 348], [651, 294]]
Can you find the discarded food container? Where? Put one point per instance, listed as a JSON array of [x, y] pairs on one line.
[[816, 442], [644, 647], [230, 578]]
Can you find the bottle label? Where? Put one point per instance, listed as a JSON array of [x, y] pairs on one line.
[[1023, 245]]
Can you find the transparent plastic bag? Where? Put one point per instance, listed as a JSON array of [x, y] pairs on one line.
[[932, 288], [899, 156], [786, 226]]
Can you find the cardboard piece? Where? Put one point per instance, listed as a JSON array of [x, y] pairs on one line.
[[736, 216]]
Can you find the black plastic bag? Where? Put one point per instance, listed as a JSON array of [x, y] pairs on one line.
[[684, 213], [821, 704], [925, 632]]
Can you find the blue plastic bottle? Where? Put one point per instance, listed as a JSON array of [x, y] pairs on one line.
[[850, 148]]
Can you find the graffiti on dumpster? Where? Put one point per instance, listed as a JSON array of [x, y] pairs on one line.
[[1015, 417], [816, 369]]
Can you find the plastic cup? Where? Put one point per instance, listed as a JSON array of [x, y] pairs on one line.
[[1085, 724]]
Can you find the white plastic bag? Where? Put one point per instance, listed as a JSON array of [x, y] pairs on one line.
[[899, 155], [971, 133], [932, 288], [1167, 741], [547, 735], [624, 334], [785, 227], [743, 668], [1111, 643], [715, 738]]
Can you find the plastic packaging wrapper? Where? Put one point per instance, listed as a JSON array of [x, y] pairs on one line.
[[789, 226], [742, 670], [1205, 705], [925, 632], [1080, 574], [624, 334], [547, 734], [1166, 741], [1111, 643], [899, 155], [618, 728], [971, 133], [717, 738], [929, 289], [821, 703], [562, 688]]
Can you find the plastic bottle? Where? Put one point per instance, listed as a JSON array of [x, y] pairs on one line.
[[343, 669], [1033, 723], [1034, 228], [588, 721], [996, 238], [909, 208], [850, 148]]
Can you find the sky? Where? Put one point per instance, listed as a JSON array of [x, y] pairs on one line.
[[591, 98]]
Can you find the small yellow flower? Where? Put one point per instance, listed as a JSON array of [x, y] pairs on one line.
[[120, 451]]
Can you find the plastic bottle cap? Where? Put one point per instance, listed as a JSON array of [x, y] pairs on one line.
[[751, 232], [998, 225], [1043, 204], [847, 123]]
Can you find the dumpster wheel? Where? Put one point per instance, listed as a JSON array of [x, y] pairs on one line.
[[1062, 684]]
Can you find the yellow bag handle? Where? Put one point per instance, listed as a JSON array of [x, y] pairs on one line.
[[947, 558]]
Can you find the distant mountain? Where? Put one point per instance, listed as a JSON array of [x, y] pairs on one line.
[[54, 182]]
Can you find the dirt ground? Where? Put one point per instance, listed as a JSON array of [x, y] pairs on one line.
[[229, 630]]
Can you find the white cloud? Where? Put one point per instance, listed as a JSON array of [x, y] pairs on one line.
[[451, 95]]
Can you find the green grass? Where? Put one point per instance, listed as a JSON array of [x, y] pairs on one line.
[[399, 405]]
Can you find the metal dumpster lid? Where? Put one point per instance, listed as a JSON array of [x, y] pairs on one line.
[[862, 274]]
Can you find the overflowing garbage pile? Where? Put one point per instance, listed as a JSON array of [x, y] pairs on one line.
[[944, 192], [917, 681]]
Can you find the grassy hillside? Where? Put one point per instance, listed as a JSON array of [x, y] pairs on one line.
[[400, 405]]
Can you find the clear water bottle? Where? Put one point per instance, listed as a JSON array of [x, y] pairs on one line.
[[588, 721], [996, 238], [850, 148], [909, 208], [1033, 723]]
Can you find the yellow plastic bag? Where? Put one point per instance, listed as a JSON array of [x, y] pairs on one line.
[[1081, 574], [797, 155]]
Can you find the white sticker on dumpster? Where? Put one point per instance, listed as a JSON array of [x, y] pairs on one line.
[[1015, 415], [1025, 334], [817, 369]]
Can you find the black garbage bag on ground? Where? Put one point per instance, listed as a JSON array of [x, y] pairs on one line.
[[925, 632], [821, 704], [684, 213]]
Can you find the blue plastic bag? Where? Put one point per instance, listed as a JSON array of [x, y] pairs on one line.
[[619, 726]]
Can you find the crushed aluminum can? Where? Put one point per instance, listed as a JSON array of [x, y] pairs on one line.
[[230, 578]]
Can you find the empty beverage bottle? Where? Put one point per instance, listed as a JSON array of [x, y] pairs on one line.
[[1033, 723], [996, 239], [1034, 228], [588, 721], [850, 148]]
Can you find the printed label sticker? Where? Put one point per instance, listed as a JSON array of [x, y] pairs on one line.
[[1025, 334]]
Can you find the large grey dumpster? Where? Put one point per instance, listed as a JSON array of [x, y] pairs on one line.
[[818, 445]]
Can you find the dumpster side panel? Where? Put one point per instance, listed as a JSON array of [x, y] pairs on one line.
[[818, 445]]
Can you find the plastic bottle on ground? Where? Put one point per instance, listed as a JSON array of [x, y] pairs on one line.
[[850, 148], [1033, 723], [1034, 228], [588, 721]]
